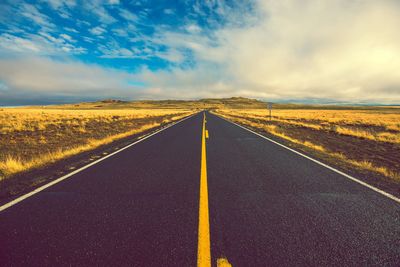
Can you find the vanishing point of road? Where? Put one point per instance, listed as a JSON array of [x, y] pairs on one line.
[[203, 192]]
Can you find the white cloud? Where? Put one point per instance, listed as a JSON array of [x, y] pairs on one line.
[[193, 28], [67, 37], [88, 39], [71, 30], [40, 44], [128, 15], [57, 4], [31, 12], [116, 53], [113, 50], [120, 32], [62, 7], [101, 13], [172, 55], [13, 43], [82, 23], [97, 30]]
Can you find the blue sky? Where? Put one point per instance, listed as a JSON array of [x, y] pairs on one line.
[[70, 50], [116, 34]]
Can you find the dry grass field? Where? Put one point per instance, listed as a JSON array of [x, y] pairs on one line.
[[33, 137], [368, 139]]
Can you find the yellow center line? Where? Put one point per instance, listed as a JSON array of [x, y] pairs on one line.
[[203, 249]]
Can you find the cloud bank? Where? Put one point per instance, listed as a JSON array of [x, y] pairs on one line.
[[343, 50], [39, 78]]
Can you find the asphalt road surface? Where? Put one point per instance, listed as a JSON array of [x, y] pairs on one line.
[[179, 198]]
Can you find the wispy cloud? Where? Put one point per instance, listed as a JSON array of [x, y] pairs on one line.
[[40, 44], [71, 29], [58, 4], [10, 42], [98, 30], [116, 53], [128, 15], [67, 37], [62, 7], [31, 12], [99, 11]]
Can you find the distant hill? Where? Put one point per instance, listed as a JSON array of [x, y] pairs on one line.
[[233, 102], [208, 103]]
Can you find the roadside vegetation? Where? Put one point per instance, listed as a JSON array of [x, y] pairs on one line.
[[34, 137], [368, 139]]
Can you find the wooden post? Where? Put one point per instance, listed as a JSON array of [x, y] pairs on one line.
[[269, 105]]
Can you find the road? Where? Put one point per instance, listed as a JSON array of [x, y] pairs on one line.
[[179, 198]]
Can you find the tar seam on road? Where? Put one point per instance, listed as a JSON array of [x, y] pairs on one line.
[[388, 195], [37, 190], [203, 248]]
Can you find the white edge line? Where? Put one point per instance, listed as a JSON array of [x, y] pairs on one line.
[[319, 162], [43, 187]]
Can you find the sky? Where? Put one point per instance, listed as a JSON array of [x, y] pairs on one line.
[[320, 51]]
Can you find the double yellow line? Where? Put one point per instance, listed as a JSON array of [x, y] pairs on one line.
[[203, 248]]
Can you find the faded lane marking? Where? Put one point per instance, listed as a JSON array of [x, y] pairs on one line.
[[223, 262]]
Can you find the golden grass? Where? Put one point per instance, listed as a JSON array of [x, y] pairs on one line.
[[367, 165], [35, 137], [12, 165], [34, 119], [376, 125], [381, 127], [273, 129]]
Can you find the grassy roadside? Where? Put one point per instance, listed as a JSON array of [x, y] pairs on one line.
[[370, 141], [33, 138]]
